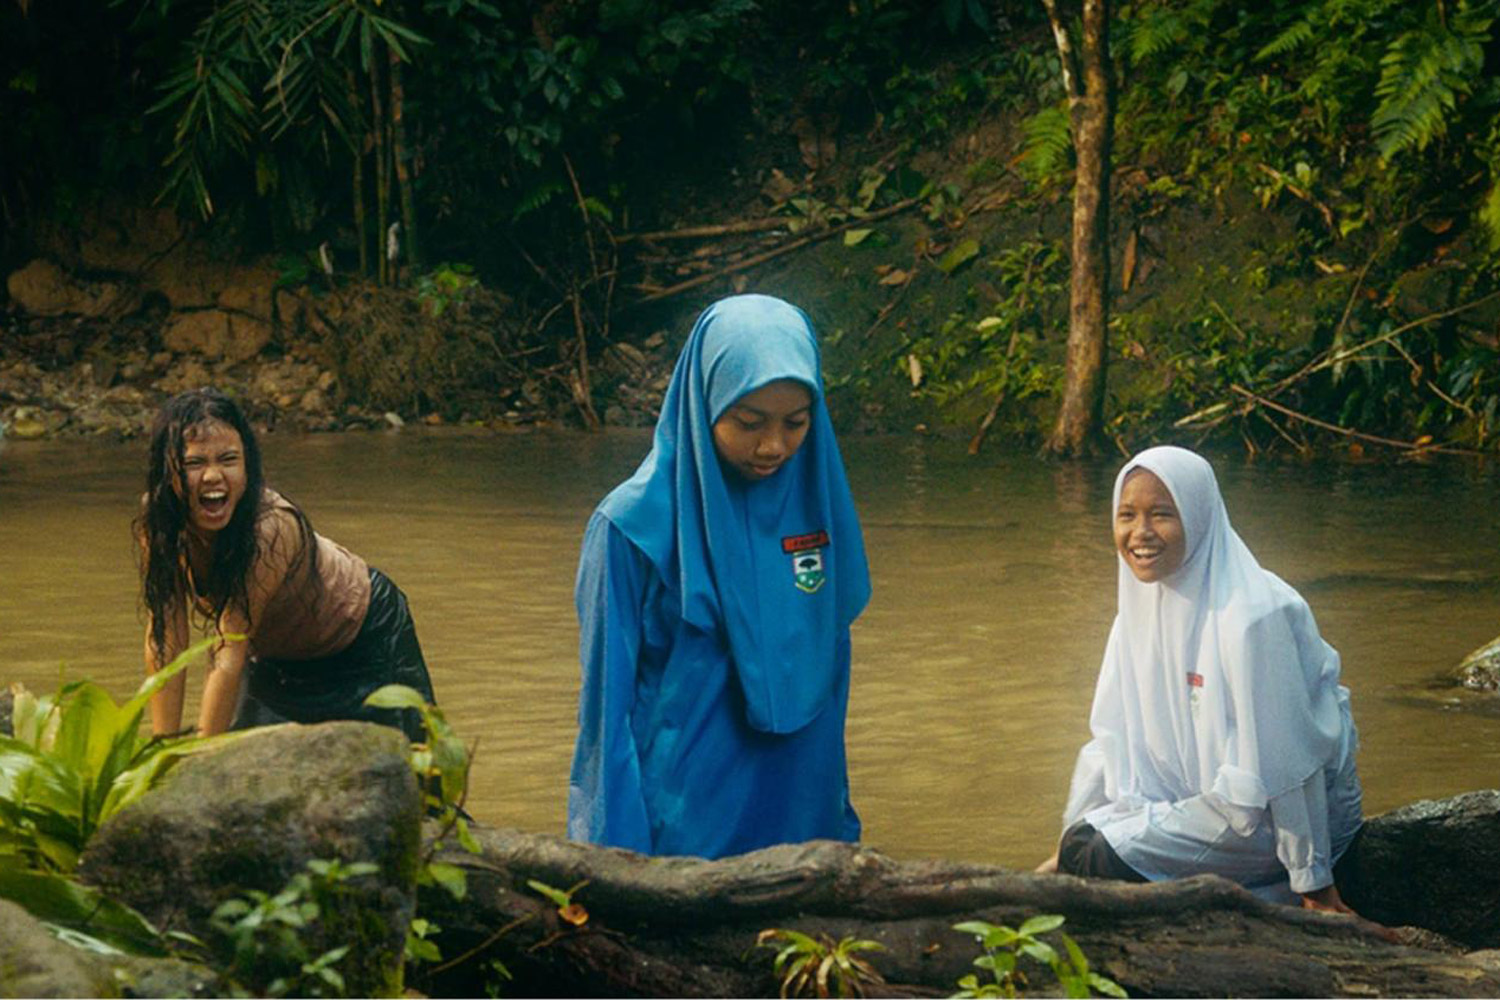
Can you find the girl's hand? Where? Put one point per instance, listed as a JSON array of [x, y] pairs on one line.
[[1048, 867]]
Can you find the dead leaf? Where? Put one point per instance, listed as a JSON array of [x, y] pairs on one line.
[[896, 277], [574, 914], [914, 370], [1127, 272]]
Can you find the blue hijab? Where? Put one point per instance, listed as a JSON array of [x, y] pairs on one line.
[[727, 547]]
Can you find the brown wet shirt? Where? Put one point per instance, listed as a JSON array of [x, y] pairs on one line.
[[304, 622]]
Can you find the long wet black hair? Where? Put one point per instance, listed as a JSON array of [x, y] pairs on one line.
[[163, 522]]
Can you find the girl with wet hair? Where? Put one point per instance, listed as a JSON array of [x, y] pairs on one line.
[[220, 549], [715, 593], [1222, 739]]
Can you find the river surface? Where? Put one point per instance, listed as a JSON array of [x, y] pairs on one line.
[[974, 665]]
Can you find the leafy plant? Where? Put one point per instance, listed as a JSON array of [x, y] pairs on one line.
[[819, 966], [445, 285], [441, 764], [266, 935], [1005, 946], [75, 759]]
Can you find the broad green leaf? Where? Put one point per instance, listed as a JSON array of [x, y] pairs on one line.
[[958, 255], [395, 696], [60, 901], [1042, 924], [854, 237], [1108, 987], [450, 877]]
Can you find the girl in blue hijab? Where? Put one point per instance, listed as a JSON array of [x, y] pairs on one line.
[[715, 592]]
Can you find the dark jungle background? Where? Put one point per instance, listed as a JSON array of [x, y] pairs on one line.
[[460, 210]]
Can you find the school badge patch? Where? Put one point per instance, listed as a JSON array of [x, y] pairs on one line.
[[807, 559]]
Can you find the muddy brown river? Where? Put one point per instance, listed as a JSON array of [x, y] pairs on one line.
[[973, 667]]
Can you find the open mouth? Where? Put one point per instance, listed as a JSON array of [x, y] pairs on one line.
[[1145, 556], [214, 503]]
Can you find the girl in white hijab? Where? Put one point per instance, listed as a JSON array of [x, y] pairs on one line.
[[1222, 739]]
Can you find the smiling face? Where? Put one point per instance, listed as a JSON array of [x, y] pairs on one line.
[[1148, 528], [213, 465], [762, 430]]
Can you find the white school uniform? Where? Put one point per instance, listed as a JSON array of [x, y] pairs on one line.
[[1222, 738]]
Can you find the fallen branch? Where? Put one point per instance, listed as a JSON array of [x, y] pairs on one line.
[[1412, 446], [785, 248], [704, 232]]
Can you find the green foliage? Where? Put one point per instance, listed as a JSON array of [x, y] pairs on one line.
[[1423, 75], [445, 285], [1004, 947], [264, 936], [998, 355], [1047, 150], [442, 768], [819, 966], [75, 759]]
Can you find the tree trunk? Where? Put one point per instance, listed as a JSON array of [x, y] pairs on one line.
[[683, 927], [403, 166], [1090, 105]]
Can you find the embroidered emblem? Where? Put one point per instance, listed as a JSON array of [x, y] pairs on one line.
[[801, 543], [807, 570], [1195, 690]]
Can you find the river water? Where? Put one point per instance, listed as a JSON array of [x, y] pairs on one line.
[[973, 667]]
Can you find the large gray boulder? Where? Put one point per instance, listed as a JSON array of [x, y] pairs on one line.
[[1432, 864], [251, 814]]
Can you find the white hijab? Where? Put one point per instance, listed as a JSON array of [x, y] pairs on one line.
[[1228, 635]]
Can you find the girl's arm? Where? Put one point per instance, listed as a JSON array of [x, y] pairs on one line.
[[606, 802], [166, 704], [279, 549]]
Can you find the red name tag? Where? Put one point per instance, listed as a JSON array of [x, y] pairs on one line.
[[1195, 680], [801, 543]]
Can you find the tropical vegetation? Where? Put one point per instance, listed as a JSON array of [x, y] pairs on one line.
[[1305, 196]]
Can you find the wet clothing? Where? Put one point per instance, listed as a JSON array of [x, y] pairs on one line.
[[715, 618], [384, 651], [302, 622], [1222, 739]]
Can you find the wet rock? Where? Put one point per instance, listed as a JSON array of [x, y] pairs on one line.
[[1480, 670], [251, 814], [1432, 864], [215, 333], [34, 963], [41, 288]]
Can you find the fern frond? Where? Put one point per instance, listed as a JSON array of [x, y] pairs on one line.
[[1489, 214], [1289, 41], [1048, 144], [1422, 75], [1157, 30]]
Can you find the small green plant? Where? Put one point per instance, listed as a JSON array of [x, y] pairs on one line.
[[75, 759], [445, 285], [266, 935], [1003, 947], [572, 912], [819, 966]]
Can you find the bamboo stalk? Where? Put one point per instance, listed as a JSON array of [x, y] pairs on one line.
[[382, 182], [361, 224], [400, 158]]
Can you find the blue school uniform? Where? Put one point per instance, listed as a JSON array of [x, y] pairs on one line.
[[715, 619]]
